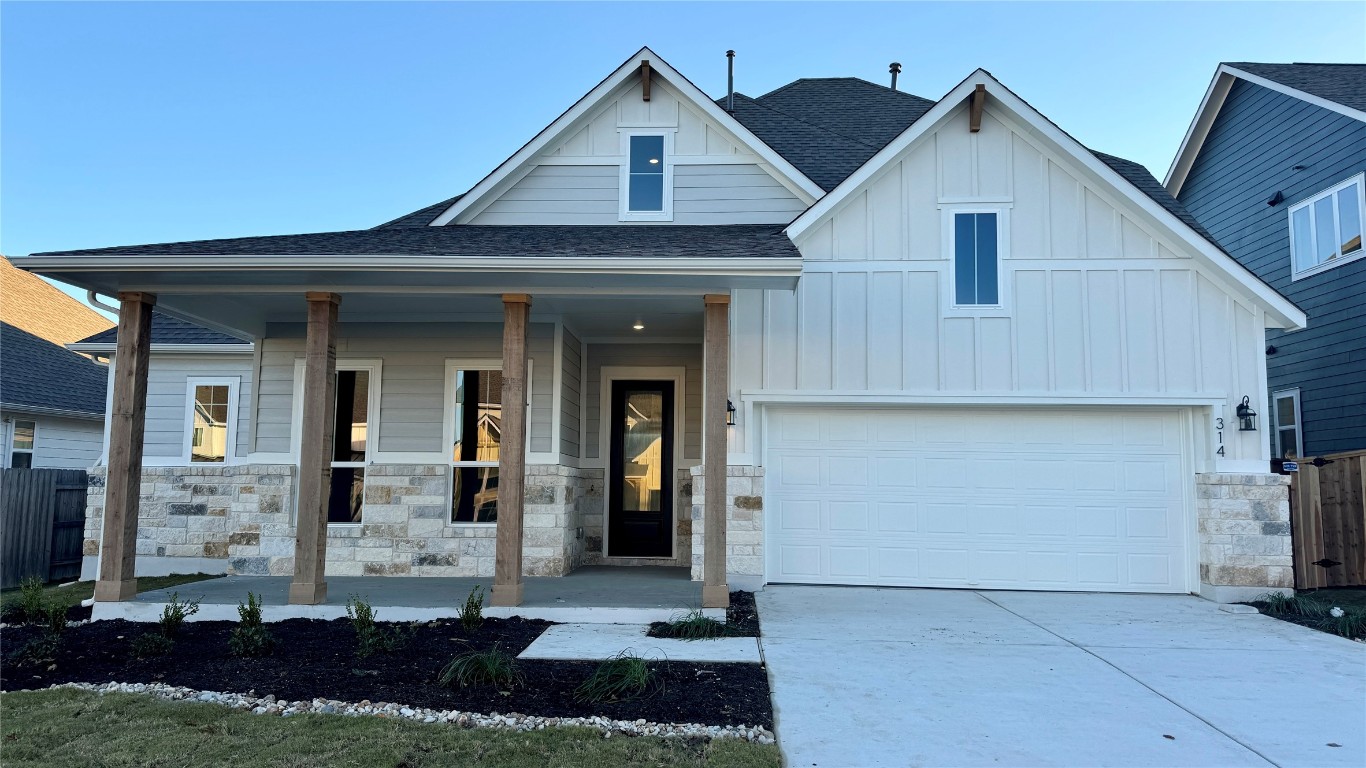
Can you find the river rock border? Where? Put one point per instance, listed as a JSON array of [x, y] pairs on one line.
[[514, 721]]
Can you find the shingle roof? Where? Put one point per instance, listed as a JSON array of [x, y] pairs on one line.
[[422, 216], [650, 241], [1344, 84], [169, 330], [1142, 178], [35, 373]]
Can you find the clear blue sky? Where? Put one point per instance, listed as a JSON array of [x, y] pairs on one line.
[[153, 122]]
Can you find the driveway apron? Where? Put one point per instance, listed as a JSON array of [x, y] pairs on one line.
[[910, 677]]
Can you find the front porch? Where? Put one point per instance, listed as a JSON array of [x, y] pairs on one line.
[[589, 595]]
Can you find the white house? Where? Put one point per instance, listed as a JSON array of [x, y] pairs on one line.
[[919, 343]]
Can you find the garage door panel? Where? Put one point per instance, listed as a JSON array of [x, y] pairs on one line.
[[919, 504]]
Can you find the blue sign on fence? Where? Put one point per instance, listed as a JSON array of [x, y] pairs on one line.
[[1291, 466]]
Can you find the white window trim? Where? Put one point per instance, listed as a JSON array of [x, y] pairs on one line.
[[951, 306], [375, 368], [448, 427], [10, 450], [233, 383], [624, 179], [1276, 397], [1295, 272]]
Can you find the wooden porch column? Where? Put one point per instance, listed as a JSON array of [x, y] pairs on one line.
[[507, 567], [309, 586], [127, 420], [716, 386]]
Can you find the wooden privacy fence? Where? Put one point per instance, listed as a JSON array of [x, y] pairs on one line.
[[42, 524], [1328, 520]]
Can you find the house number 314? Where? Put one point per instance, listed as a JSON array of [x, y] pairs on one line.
[[1219, 436]]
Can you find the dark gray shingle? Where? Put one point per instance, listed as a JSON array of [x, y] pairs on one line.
[[35, 373], [608, 241], [169, 330], [1344, 84]]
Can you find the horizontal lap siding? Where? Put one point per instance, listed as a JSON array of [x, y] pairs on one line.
[[687, 356], [412, 391], [64, 443], [571, 383], [1253, 147], [731, 194], [167, 390]]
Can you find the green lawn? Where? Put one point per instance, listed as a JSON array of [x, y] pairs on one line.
[[84, 590], [76, 728]]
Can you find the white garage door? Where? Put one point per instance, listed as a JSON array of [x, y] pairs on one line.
[[1018, 498]]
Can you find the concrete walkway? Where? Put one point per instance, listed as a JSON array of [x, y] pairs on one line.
[[905, 677], [603, 641]]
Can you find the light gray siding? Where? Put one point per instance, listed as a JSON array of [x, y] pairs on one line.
[[412, 388], [588, 194], [60, 443], [571, 378], [688, 356], [167, 391]]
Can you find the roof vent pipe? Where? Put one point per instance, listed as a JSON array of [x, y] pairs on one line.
[[730, 81], [895, 69]]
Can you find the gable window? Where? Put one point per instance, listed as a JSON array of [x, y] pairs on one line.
[[1286, 414], [476, 422], [21, 445], [212, 420], [1325, 230], [976, 259], [647, 178]]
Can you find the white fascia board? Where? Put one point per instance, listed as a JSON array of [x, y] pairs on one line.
[[1310, 98], [1198, 130], [475, 197], [1279, 309], [409, 263], [107, 348]]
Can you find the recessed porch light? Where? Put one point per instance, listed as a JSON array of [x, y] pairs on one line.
[[639, 326]]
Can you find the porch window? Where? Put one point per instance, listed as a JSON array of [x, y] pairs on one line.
[[212, 420], [1286, 415], [21, 445], [476, 427], [1325, 230], [350, 440]]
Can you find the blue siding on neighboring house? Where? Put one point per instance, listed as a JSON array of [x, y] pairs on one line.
[[1253, 147]]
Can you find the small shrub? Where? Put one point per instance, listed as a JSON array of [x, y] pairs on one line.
[[492, 667], [250, 637], [38, 650], [152, 644], [1280, 604], [174, 614], [32, 603], [55, 616], [370, 637], [621, 678], [472, 612], [1347, 622], [695, 626]]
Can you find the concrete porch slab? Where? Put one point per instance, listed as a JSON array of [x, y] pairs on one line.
[[603, 641], [594, 594]]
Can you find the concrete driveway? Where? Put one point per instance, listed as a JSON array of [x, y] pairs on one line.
[[874, 677]]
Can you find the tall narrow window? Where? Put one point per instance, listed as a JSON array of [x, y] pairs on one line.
[[976, 265], [350, 439], [477, 416], [21, 447], [1325, 230], [646, 180], [209, 432], [1287, 418]]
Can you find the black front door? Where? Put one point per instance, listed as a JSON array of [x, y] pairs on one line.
[[640, 476]]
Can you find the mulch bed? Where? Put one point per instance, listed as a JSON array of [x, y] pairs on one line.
[[317, 659], [10, 614], [742, 618]]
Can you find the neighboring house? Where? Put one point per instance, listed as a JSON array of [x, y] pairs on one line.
[[1274, 165], [51, 400], [955, 347]]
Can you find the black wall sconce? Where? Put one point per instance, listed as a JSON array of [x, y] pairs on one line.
[[1247, 418], [730, 414], [1276, 199]]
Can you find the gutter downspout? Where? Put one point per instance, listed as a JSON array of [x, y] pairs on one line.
[[93, 300]]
